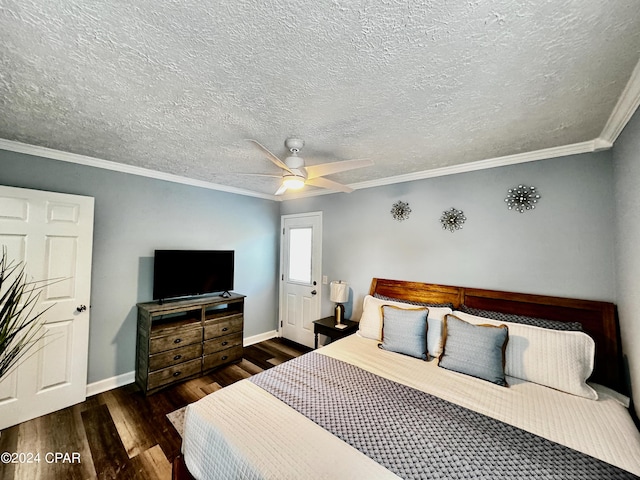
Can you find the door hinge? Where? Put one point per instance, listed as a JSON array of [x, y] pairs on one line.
[[283, 231], [280, 323]]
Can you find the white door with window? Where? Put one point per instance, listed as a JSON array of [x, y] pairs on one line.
[[300, 264], [52, 234]]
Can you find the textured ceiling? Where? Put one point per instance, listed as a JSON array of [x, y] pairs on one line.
[[177, 86]]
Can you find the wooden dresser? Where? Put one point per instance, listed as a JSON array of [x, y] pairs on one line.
[[183, 339]]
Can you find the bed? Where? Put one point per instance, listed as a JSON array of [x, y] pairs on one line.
[[363, 407]]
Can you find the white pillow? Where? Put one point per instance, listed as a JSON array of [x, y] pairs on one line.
[[562, 360], [371, 322]]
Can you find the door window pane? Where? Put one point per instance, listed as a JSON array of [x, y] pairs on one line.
[[300, 254]]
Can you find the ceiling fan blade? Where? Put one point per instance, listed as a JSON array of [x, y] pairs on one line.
[[314, 171], [281, 190], [270, 155], [330, 184]]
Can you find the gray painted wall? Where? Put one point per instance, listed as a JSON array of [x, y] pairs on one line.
[[564, 247], [135, 215], [626, 157]]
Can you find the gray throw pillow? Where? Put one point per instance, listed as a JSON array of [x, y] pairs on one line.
[[476, 350], [405, 330]]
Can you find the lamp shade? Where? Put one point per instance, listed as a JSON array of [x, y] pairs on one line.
[[339, 291]]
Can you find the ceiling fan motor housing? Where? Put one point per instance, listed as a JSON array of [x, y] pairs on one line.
[[294, 162]]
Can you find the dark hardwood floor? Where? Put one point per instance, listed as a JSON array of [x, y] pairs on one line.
[[121, 433]]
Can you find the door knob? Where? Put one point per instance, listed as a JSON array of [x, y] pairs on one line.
[[81, 308], [313, 292]]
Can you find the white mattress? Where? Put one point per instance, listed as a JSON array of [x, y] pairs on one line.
[[242, 431]]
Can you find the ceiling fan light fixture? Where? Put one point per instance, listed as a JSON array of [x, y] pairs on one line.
[[292, 182]]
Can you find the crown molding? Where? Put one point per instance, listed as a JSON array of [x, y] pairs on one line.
[[625, 108], [544, 154], [595, 145], [50, 153]]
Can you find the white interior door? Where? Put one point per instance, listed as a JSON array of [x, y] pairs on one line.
[[300, 263], [52, 234]]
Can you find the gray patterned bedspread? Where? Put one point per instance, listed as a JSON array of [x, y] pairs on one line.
[[417, 435]]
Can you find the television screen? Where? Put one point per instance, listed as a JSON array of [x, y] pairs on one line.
[[180, 273]]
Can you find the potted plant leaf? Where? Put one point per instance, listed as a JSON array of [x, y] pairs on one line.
[[20, 323]]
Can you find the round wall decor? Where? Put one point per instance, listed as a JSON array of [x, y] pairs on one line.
[[400, 210], [452, 219], [522, 198]]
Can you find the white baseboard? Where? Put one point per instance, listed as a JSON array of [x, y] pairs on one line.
[[130, 377], [261, 337], [110, 383]]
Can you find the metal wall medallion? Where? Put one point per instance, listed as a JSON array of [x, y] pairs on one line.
[[452, 219], [522, 198], [400, 210]]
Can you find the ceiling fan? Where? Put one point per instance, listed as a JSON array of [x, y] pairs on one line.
[[296, 175]]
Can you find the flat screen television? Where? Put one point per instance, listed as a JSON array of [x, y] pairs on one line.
[[182, 273]]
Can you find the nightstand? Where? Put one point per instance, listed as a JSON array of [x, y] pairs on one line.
[[326, 326]]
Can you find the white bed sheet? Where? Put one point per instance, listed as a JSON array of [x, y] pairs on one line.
[[242, 431]]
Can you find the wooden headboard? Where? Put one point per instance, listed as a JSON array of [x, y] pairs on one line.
[[598, 319]]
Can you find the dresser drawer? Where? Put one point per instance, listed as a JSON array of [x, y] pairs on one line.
[[220, 358], [222, 343], [174, 374], [175, 356], [168, 342], [227, 326]]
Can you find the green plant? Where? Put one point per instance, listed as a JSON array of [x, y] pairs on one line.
[[20, 325]]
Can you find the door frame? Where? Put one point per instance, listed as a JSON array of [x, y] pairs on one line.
[[281, 274]]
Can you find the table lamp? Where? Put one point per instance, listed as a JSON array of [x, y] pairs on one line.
[[339, 294]]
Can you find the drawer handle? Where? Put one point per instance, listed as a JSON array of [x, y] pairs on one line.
[[224, 357], [177, 340], [177, 357], [176, 374], [225, 329], [224, 343]]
